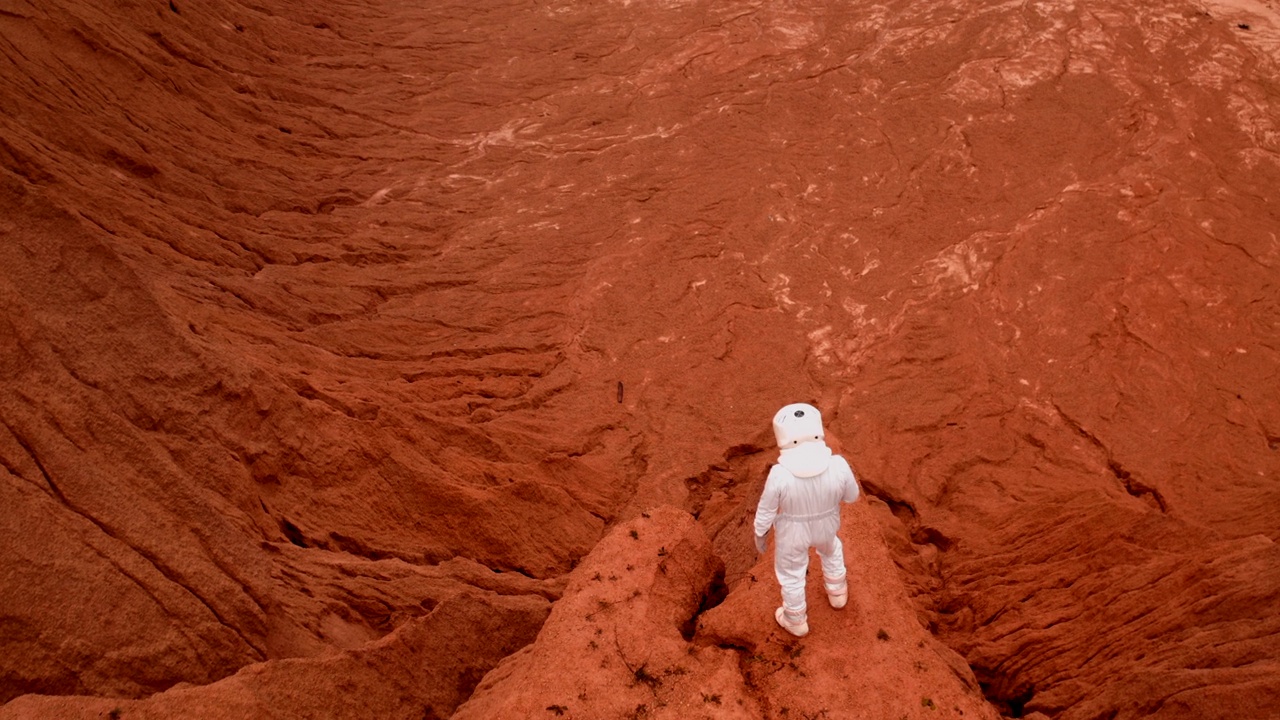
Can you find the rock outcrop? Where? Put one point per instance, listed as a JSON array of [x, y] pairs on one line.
[[615, 645], [641, 632], [423, 669]]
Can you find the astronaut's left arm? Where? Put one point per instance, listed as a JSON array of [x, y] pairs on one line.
[[767, 509]]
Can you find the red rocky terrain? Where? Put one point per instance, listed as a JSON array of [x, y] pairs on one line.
[[383, 359]]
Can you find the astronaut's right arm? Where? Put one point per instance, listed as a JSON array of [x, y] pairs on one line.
[[851, 490]]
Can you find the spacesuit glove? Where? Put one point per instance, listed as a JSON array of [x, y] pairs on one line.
[[761, 543]]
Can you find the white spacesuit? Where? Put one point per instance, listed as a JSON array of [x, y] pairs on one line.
[[802, 500]]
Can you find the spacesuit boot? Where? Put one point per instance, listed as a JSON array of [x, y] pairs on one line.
[[837, 592], [797, 628]]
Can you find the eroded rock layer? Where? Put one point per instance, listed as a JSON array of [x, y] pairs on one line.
[[323, 320]]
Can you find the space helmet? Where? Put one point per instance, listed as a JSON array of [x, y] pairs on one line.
[[801, 440]]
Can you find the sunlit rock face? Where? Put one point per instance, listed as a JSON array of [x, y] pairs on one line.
[[330, 331]]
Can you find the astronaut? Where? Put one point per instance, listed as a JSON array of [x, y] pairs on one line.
[[801, 500]]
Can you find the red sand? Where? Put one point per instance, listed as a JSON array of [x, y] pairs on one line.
[[341, 343]]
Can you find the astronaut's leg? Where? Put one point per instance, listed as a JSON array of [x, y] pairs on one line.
[[791, 563], [834, 577]]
